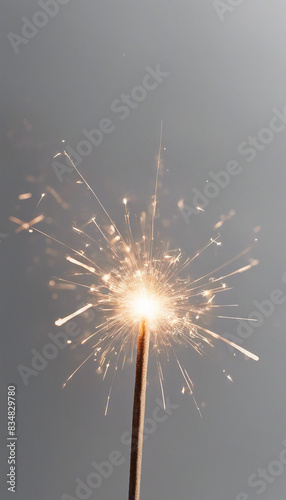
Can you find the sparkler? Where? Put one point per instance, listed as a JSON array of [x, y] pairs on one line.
[[138, 284]]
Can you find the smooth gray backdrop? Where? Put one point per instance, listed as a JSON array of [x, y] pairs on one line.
[[226, 64]]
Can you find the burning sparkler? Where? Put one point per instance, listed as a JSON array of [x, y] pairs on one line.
[[139, 285]]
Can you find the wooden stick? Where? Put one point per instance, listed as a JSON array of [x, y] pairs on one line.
[[139, 411]]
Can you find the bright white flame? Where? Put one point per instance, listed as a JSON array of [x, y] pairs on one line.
[[146, 306]]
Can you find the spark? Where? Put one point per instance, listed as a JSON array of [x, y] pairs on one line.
[[57, 197], [62, 321], [224, 218], [42, 196], [25, 196], [80, 264], [26, 225]]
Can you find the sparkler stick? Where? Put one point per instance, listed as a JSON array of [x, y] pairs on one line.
[[139, 411]]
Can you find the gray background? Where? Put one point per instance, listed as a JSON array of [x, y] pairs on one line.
[[225, 79]]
